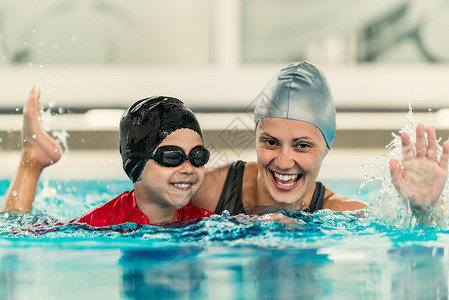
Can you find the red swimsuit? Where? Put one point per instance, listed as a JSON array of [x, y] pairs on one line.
[[123, 209]]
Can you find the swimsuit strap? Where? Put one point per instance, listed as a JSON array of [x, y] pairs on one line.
[[317, 199], [231, 196]]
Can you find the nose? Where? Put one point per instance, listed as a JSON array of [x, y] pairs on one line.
[[186, 168], [284, 159]]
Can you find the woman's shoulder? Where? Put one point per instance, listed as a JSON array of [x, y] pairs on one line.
[[251, 169], [337, 202]]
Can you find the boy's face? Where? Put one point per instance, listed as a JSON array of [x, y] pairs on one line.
[[171, 186]]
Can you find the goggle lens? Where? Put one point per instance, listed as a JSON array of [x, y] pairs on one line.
[[172, 156]]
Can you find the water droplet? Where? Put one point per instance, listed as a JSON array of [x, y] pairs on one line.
[[25, 43], [14, 193], [34, 136], [56, 149], [17, 109]]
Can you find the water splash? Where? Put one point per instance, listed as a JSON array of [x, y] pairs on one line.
[[325, 228], [47, 119], [390, 207], [61, 136]]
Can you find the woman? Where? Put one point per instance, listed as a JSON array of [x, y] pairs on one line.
[[295, 127]]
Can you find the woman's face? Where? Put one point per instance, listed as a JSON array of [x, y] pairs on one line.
[[173, 186], [289, 157]]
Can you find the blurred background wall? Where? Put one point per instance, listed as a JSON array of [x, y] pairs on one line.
[[216, 55]]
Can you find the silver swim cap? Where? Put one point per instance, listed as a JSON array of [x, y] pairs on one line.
[[299, 92]]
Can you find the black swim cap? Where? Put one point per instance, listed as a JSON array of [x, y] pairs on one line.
[[146, 124]]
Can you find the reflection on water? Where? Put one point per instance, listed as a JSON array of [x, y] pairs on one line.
[[74, 271], [244, 260], [162, 273], [8, 278], [192, 273], [422, 273]]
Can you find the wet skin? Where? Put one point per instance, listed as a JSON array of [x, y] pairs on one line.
[[39, 150], [160, 190], [289, 158]]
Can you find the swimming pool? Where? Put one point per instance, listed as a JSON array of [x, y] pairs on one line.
[[326, 256]]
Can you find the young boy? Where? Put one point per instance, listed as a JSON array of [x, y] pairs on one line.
[[155, 135]]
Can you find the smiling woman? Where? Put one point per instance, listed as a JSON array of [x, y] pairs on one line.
[[295, 128], [289, 157]]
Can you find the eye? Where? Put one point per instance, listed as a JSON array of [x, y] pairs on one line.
[[301, 147], [269, 143]]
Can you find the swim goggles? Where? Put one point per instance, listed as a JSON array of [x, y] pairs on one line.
[[173, 156]]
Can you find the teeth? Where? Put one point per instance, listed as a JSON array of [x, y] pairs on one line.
[[182, 185], [286, 184], [285, 177]]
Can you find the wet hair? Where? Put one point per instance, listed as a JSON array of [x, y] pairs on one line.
[[146, 124], [299, 92]]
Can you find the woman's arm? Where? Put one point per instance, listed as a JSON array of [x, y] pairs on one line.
[[210, 191]]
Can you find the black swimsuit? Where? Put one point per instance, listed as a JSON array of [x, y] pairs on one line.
[[231, 196]]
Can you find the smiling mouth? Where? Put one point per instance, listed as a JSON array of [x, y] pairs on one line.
[[183, 186], [285, 181]]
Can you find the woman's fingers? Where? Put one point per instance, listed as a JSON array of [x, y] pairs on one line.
[[396, 174], [421, 143], [444, 156], [431, 144], [407, 148]]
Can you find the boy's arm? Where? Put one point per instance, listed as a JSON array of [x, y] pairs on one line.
[[39, 150]]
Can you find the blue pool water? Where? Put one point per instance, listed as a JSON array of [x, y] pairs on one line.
[[325, 256]]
